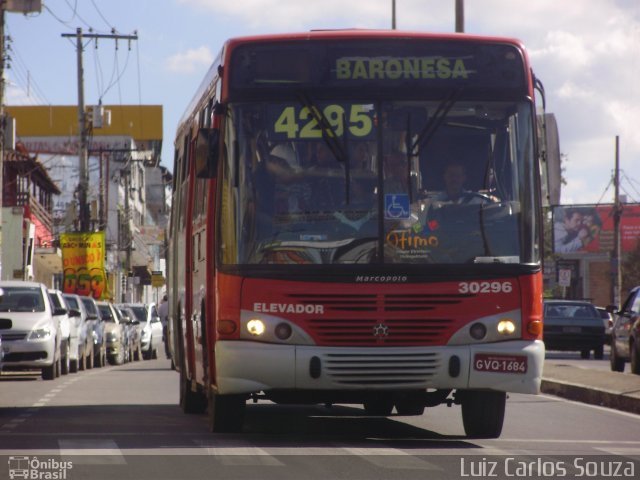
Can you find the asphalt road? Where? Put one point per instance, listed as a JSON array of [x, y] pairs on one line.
[[124, 422]]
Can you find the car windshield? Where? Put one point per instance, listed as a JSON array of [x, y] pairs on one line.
[[22, 299], [106, 313], [140, 312], [570, 311]]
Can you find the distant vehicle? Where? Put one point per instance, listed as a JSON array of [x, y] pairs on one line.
[[625, 334], [114, 333], [133, 330], [69, 331], [85, 335], [607, 320], [573, 325], [148, 317], [99, 346], [30, 328]]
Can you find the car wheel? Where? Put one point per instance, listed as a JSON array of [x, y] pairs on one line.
[[64, 358], [617, 363], [598, 352], [635, 358], [483, 413], [585, 354], [82, 361], [49, 372], [89, 360]]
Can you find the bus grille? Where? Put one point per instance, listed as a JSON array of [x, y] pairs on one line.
[[384, 319], [386, 369]]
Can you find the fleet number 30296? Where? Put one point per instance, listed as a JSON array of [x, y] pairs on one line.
[[485, 287]]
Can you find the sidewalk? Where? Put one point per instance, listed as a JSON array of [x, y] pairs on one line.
[[607, 389]]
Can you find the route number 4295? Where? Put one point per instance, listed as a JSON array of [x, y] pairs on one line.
[[485, 287]]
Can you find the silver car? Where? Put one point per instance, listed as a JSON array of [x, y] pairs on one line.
[[78, 313], [30, 329], [148, 317], [114, 333], [69, 333]]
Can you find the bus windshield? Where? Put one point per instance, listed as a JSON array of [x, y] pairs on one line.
[[334, 181]]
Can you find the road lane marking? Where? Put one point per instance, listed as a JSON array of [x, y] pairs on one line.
[[91, 451], [392, 458]]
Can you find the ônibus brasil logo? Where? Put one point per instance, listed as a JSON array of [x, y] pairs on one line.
[[32, 468]]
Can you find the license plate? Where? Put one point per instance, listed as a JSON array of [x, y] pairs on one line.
[[571, 329], [486, 362]]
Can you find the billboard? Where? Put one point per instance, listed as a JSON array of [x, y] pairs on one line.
[[83, 257], [589, 228]]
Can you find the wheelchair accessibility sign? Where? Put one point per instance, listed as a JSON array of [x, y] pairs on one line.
[[396, 205]]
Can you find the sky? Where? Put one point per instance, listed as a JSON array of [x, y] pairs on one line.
[[586, 52]]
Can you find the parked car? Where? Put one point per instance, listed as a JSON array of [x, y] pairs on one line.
[[114, 333], [607, 320], [69, 332], [99, 345], [148, 317], [573, 325], [625, 334], [85, 334], [30, 328], [133, 331]]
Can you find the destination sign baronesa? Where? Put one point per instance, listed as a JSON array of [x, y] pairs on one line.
[[401, 68]]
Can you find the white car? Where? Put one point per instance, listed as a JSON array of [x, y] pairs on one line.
[[69, 331], [147, 315], [30, 328], [79, 314], [114, 333]]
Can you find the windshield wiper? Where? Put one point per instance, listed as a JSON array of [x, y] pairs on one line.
[[434, 122], [339, 151]]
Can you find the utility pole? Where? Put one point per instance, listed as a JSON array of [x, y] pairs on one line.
[[393, 14], [616, 273], [459, 16], [83, 125]]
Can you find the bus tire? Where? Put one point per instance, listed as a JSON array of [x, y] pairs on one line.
[[380, 406], [191, 402], [226, 413], [483, 413]]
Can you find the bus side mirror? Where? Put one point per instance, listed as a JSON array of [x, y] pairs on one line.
[[207, 147]]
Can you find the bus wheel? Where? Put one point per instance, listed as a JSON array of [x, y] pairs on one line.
[[411, 404], [226, 413], [483, 413], [190, 401], [381, 405]]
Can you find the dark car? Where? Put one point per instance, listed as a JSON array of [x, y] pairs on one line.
[[625, 334], [573, 325]]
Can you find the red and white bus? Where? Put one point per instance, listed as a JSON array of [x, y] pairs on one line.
[[319, 251]]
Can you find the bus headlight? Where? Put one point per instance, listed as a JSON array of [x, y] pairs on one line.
[[506, 327], [255, 327]]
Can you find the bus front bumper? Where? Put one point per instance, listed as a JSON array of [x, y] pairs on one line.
[[250, 367]]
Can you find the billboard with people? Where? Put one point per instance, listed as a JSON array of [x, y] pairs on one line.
[[590, 228]]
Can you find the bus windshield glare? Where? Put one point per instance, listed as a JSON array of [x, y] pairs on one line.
[[317, 179]]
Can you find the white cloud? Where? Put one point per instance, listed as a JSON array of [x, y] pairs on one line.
[[190, 61], [586, 53]]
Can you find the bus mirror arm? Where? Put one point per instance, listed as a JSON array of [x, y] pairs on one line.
[[206, 155]]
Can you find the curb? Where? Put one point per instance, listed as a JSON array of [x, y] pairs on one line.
[[592, 396]]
